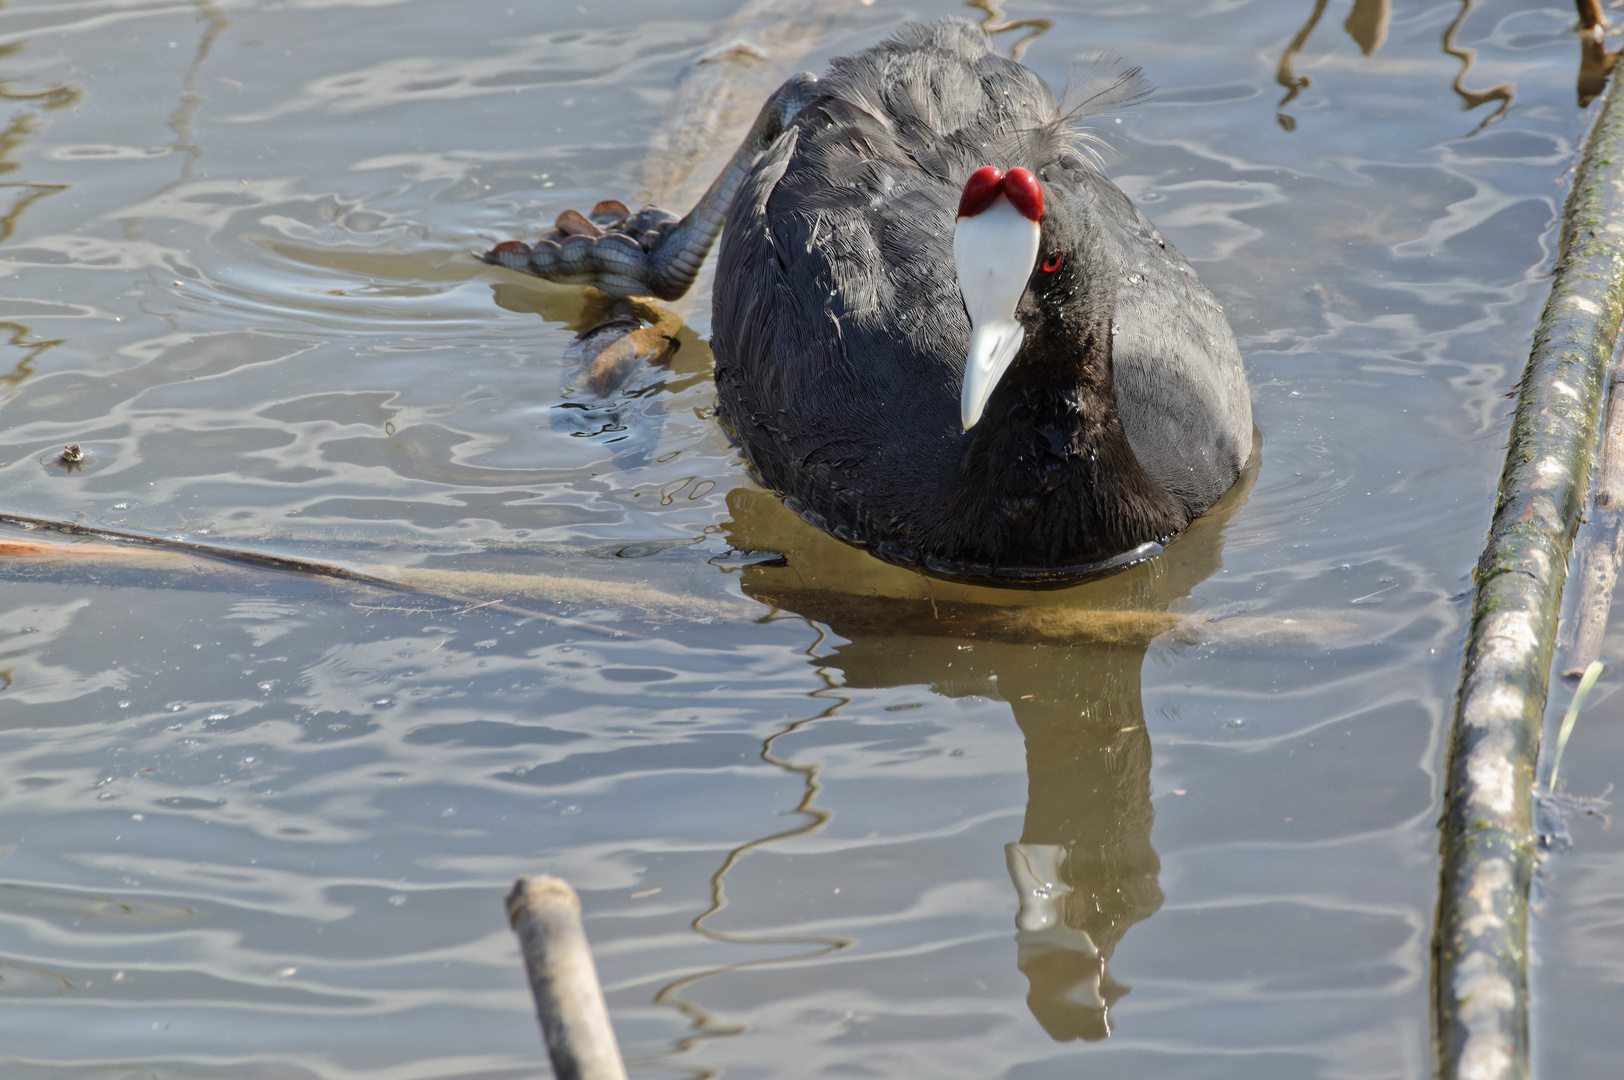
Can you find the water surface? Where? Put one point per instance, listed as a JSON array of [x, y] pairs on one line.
[[259, 826]]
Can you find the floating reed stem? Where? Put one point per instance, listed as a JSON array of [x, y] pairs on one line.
[[114, 556], [1480, 982]]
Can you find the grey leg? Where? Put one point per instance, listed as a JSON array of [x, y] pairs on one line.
[[651, 253]]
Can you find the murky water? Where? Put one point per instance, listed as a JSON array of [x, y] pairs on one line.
[[258, 825]]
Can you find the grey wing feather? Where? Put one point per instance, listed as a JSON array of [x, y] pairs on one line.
[[1180, 386]]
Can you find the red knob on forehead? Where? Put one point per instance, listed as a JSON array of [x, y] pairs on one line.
[[980, 190], [1024, 193]]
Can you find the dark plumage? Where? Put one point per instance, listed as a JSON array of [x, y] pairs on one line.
[[841, 333]]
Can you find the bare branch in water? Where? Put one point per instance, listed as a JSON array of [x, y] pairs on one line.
[[137, 542], [463, 591]]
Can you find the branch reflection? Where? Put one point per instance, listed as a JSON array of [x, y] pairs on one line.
[[16, 197], [1368, 23], [705, 1024], [1504, 93], [1595, 62], [22, 339], [1285, 73], [995, 22]]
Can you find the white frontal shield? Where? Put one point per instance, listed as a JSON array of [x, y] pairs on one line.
[[994, 253]]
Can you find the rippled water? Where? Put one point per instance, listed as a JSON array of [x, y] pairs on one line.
[[258, 825]]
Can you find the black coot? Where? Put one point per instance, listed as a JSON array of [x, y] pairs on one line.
[[940, 332]]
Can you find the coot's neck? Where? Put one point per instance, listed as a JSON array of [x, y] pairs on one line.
[[1047, 477]]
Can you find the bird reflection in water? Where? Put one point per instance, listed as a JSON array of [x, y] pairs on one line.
[[1084, 869]]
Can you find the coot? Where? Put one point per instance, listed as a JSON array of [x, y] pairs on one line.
[[940, 332]]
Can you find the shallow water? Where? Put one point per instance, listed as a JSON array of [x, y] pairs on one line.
[[259, 825]]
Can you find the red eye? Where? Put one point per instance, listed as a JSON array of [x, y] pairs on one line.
[[1052, 263]]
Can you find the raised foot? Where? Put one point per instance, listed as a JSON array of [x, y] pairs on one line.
[[612, 248], [651, 253]]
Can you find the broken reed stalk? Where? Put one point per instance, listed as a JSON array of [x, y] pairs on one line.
[[1600, 552], [1480, 984], [546, 915]]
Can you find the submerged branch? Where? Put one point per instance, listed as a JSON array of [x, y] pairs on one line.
[[141, 551], [468, 590]]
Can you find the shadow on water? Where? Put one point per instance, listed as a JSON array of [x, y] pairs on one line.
[[1084, 869]]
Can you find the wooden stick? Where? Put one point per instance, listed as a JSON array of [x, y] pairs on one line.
[[1601, 551], [1480, 950], [546, 914]]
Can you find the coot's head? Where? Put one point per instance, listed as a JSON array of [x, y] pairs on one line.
[[1016, 271]]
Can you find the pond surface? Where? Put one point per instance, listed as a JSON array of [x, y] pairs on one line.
[[258, 825]]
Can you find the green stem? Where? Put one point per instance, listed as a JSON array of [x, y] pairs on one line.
[[1592, 672]]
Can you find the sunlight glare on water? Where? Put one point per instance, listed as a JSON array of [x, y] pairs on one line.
[[826, 817]]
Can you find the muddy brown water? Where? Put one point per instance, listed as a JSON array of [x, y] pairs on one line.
[[259, 826]]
